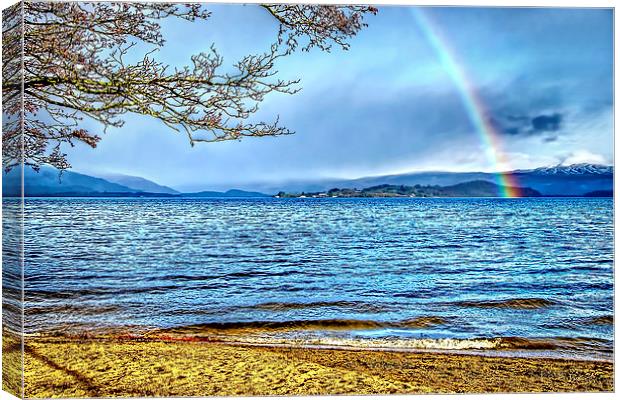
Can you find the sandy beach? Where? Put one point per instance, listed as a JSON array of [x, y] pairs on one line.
[[132, 367]]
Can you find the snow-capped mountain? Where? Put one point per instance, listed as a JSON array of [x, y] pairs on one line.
[[573, 170]]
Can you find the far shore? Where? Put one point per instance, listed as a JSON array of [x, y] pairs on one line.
[[126, 366]]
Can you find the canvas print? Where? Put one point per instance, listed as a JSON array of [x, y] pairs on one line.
[[209, 199]]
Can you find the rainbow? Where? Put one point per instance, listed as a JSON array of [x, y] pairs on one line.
[[471, 101]]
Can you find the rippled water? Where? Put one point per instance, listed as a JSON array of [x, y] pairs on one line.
[[531, 273]]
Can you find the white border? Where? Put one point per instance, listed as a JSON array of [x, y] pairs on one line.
[[482, 3]]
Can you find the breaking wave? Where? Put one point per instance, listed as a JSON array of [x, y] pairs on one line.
[[506, 346]]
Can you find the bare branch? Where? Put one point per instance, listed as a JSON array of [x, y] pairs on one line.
[[74, 66]]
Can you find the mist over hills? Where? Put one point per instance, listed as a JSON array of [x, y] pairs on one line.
[[572, 180], [138, 183], [48, 183]]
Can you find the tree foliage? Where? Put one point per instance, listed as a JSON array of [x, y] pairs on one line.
[[66, 61]]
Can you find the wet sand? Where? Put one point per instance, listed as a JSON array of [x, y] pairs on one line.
[[132, 367]]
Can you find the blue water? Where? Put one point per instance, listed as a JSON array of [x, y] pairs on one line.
[[409, 269]]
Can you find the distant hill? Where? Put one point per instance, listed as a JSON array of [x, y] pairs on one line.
[[571, 180], [47, 182], [485, 189], [600, 193], [466, 189], [138, 183]]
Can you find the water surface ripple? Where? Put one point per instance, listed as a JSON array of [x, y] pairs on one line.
[[469, 268]]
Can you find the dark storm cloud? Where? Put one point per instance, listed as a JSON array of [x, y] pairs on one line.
[[508, 125], [546, 123], [527, 125]]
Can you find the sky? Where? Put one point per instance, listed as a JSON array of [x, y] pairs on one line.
[[400, 100]]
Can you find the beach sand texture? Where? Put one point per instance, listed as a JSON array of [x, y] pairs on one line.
[[116, 367]]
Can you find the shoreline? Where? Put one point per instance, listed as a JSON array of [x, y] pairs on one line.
[[516, 353], [554, 348], [491, 353], [134, 367]]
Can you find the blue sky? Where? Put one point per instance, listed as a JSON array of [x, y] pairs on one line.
[[388, 105]]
